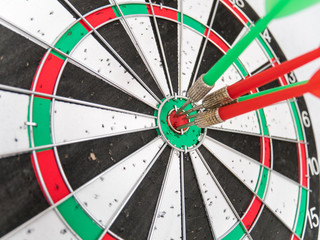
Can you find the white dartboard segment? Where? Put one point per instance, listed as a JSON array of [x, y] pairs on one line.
[[45, 20], [280, 121], [146, 38], [198, 9], [243, 167], [253, 57], [75, 122], [191, 41], [106, 196], [13, 117], [220, 214], [167, 219], [92, 54], [282, 197], [49, 226]]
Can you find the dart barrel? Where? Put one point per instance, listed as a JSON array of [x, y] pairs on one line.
[[208, 118], [198, 90]]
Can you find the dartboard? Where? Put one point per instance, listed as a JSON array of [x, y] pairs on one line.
[[87, 143]]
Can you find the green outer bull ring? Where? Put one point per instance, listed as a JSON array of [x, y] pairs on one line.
[[188, 141]]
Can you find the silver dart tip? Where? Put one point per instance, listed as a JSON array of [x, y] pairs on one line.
[[192, 110], [182, 107], [192, 116], [185, 125]]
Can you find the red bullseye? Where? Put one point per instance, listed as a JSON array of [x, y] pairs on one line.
[[174, 121]]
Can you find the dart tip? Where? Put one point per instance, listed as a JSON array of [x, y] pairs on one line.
[[192, 110], [185, 125], [191, 116], [183, 107]]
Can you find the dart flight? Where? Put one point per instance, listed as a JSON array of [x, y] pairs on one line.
[[293, 6]]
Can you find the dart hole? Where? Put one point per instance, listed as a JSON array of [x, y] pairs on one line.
[[175, 121]]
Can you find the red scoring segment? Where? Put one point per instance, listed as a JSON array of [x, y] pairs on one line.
[[252, 213], [101, 16], [51, 175], [48, 74], [217, 40], [108, 237], [163, 12], [303, 172], [255, 206]]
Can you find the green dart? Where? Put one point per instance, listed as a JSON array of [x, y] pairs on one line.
[[275, 9]]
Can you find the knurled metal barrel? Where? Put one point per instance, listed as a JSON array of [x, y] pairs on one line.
[[217, 99], [198, 90], [208, 118]]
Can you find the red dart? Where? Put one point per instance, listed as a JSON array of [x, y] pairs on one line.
[[312, 86], [242, 87], [218, 115]]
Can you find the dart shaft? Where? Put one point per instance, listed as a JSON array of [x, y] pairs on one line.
[[226, 61], [197, 91], [182, 107], [255, 103], [246, 85], [276, 89]]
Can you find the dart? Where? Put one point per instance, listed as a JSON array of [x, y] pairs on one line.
[[228, 94], [255, 101], [275, 9]]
